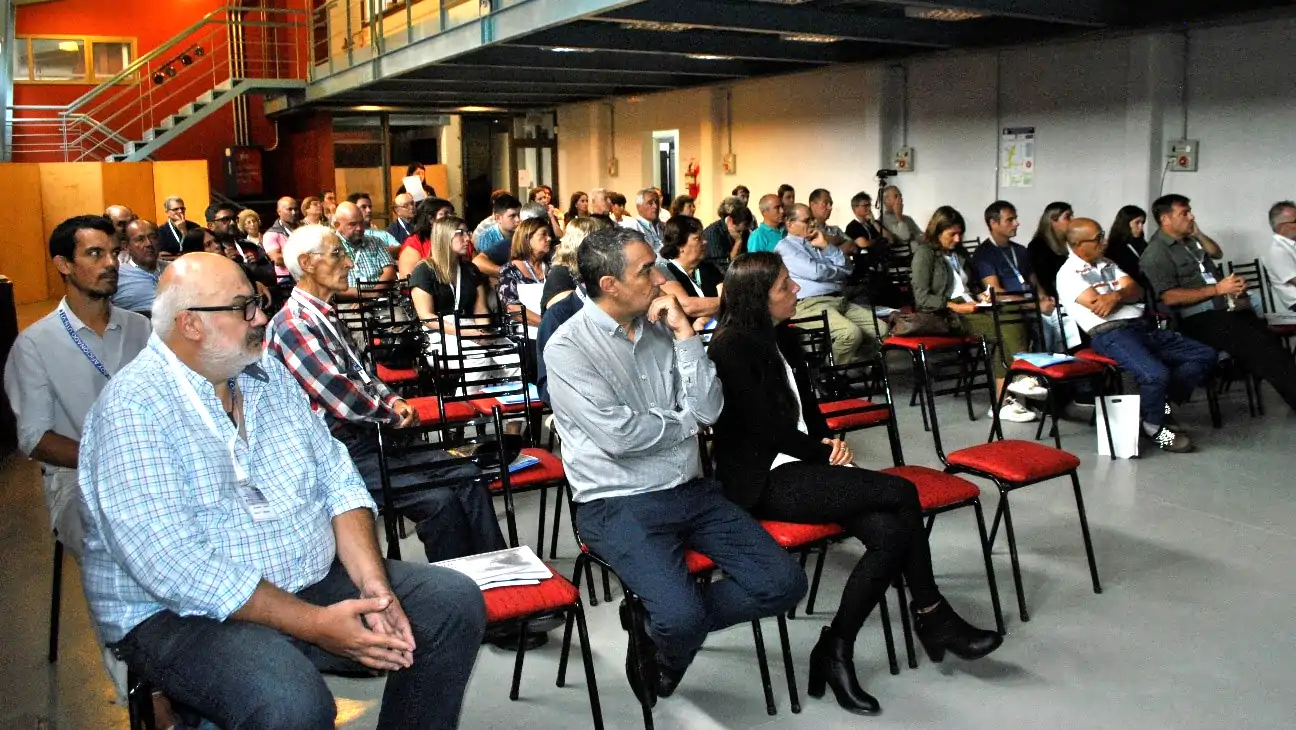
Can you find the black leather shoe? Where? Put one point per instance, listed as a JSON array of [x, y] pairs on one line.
[[832, 665], [668, 680], [942, 629], [641, 663]]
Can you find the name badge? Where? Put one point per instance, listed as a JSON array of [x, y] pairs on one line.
[[257, 504]]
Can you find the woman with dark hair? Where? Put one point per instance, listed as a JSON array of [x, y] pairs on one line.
[[544, 195], [578, 208], [200, 240], [419, 244], [1125, 241], [943, 283], [693, 281], [775, 458], [416, 169], [683, 205], [726, 238]]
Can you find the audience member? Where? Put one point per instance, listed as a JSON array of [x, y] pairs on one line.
[[1048, 247], [726, 238], [137, 279], [1125, 241], [630, 386], [821, 207], [452, 518], [555, 316], [690, 278], [312, 212], [942, 283], [872, 254], [1280, 259], [487, 223], [787, 196], [776, 459], [119, 216], [648, 206], [598, 202], [906, 235], [330, 203], [443, 284], [1106, 302], [616, 207], [416, 169], [561, 280], [172, 233], [743, 193], [403, 225], [200, 240], [495, 243], [364, 202], [683, 205], [268, 569], [543, 197], [522, 279], [820, 270], [1212, 308], [249, 226], [272, 242], [579, 207], [771, 230], [416, 246], [371, 262]]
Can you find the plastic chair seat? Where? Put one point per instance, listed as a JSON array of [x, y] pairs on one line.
[[513, 602], [549, 470], [428, 409], [936, 489], [1090, 355], [484, 406], [1016, 461], [1061, 371], [394, 376], [858, 419], [790, 535], [930, 343]]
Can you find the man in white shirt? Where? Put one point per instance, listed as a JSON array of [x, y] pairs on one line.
[[648, 205], [1281, 257], [1104, 301]]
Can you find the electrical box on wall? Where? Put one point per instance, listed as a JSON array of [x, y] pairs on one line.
[[730, 164], [613, 167], [1183, 155], [904, 159]]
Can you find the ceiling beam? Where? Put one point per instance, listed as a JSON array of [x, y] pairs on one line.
[[450, 72], [605, 37], [402, 86], [578, 63], [774, 19], [1091, 13]]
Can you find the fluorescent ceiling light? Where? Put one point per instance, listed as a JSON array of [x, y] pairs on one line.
[[370, 108], [479, 109], [569, 49], [949, 15], [708, 57], [653, 25], [811, 38]]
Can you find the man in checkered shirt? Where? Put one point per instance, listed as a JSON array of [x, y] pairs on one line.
[[230, 549]]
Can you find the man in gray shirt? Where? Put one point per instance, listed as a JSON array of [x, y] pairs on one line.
[[904, 231], [631, 386]]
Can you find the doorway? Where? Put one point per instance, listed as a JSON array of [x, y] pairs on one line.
[[665, 157]]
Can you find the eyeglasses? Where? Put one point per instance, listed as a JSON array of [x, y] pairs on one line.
[[249, 308], [224, 219], [336, 254], [181, 209], [1102, 236]]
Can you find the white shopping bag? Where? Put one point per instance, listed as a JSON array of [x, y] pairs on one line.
[[1123, 414]]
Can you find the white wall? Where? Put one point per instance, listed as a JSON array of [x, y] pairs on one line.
[[1103, 111]]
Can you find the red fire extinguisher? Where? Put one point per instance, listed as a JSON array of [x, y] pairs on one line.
[[691, 173]]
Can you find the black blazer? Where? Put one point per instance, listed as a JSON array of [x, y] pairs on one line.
[[748, 435], [167, 240]]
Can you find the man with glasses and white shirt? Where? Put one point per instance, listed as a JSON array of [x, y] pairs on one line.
[[1280, 259]]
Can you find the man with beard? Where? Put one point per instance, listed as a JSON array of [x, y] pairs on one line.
[[210, 538], [58, 366], [141, 270]]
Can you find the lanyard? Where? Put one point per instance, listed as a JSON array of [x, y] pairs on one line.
[[1012, 261], [240, 470], [456, 288], [178, 235], [1207, 275], [80, 343], [960, 286], [532, 272], [324, 320]]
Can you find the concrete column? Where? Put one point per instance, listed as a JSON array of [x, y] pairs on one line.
[[1154, 112]]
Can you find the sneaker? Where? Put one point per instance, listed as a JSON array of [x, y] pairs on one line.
[[1028, 387], [1016, 412], [1175, 443]]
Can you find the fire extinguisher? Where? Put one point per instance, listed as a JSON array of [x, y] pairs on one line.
[[691, 173]]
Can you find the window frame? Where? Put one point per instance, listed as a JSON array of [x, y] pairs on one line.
[[88, 42]]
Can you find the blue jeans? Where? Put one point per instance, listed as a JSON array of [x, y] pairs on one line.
[[1167, 365], [245, 676], [643, 538]]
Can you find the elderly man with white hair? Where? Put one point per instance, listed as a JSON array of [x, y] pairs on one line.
[[450, 506], [230, 549], [648, 206]]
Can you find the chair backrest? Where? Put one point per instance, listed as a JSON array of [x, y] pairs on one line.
[[1267, 291], [815, 338], [970, 245], [1252, 272], [936, 373], [1015, 312], [866, 385]]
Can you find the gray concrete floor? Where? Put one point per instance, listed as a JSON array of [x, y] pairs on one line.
[[1194, 628]]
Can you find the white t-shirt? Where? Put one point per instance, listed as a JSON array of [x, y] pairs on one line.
[[1075, 277], [1281, 262], [782, 459]]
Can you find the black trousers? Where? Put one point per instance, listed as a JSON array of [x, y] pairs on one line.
[[1247, 338], [880, 510]]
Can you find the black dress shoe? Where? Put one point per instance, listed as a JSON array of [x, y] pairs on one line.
[[641, 665], [942, 629], [668, 680], [832, 665]]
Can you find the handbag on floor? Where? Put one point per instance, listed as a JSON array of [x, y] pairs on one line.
[[1126, 422]]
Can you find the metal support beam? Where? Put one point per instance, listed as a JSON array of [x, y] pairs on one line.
[[450, 72], [7, 52], [577, 63], [1092, 13], [405, 85]]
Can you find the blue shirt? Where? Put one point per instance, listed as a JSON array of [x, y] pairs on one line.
[[496, 247], [1012, 264], [819, 272], [167, 525], [764, 238], [136, 287]]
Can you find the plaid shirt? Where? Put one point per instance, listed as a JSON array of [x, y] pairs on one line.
[[322, 363], [167, 527], [370, 258]]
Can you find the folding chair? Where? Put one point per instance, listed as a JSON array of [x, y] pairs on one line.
[[955, 351], [56, 602], [1011, 465]]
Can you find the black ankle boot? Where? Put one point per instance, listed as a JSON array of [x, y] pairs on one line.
[[942, 629], [831, 665]]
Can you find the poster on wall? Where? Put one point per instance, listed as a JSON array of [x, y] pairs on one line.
[[1017, 157]]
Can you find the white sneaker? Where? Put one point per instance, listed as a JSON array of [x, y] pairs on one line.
[[1015, 412], [1028, 386]]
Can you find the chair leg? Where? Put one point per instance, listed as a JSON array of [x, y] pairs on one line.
[[1084, 530], [540, 513], [1052, 405], [1212, 402], [931, 522], [763, 662], [517, 664], [566, 648], [818, 574], [587, 656], [647, 701], [989, 565], [1006, 510], [607, 586], [56, 595], [1111, 445], [553, 539], [805, 557], [789, 670], [139, 701], [884, 615], [905, 624]]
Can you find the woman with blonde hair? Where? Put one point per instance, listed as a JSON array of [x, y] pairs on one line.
[[561, 280], [249, 226]]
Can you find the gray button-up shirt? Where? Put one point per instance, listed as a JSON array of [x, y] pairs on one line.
[[1169, 263], [51, 383], [628, 411]]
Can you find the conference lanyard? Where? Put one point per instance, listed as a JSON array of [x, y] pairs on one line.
[[1012, 262], [1207, 276], [324, 320], [959, 283], [80, 343], [532, 272]]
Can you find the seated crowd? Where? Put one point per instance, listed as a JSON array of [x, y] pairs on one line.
[[649, 330]]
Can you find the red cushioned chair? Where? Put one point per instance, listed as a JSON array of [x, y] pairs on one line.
[[957, 352], [1011, 465]]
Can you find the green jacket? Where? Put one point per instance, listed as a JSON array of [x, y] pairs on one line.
[[933, 281]]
